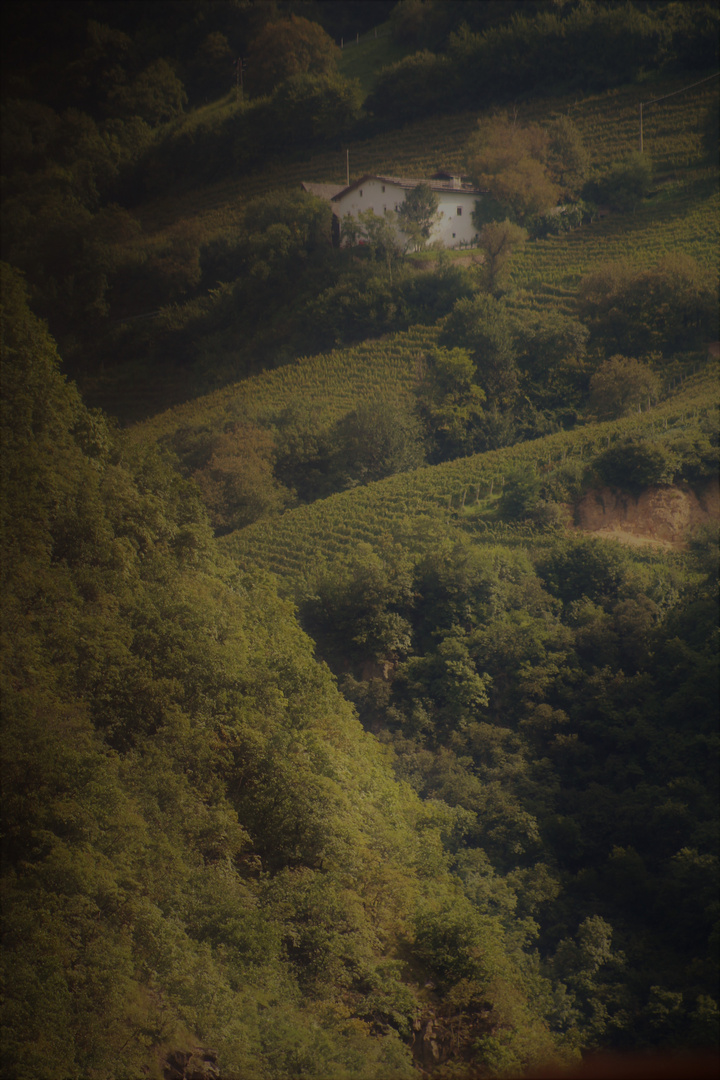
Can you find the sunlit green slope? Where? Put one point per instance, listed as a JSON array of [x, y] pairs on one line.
[[417, 504]]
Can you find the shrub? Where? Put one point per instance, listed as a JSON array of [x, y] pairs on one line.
[[288, 47], [636, 464], [521, 494], [668, 308], [625, 185], [620, 385]]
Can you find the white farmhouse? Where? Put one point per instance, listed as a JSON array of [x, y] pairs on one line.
[[456, 202]]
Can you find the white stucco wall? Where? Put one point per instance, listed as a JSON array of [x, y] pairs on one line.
[[452, 228]]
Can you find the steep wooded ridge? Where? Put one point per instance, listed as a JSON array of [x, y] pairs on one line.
[[359, 694]]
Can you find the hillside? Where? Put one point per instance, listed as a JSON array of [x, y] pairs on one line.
[[608, 122], [359, 663], [462, 493], [330, 385], [680, 216]]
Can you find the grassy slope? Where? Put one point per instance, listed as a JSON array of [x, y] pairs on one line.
[[421, 503], [364, 60], [682, 216]]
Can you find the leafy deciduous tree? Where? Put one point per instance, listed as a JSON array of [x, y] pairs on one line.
[[497, 240], [567, 157], [508, 161], [450, 402], [417, 214], [626, 184], [671, 307], [155, 95], [620, 385], [287, 47], [379, 233], [481, 325]]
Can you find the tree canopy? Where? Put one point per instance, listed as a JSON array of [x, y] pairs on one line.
[[508, 161], [287, 47], [417, 214]]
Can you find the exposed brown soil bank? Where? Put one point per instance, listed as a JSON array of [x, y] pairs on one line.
[[664, 516]]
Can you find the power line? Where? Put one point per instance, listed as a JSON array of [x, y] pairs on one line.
[[682, 90]]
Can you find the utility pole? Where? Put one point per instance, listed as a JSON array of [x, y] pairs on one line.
[[347, 166], [239, 68]]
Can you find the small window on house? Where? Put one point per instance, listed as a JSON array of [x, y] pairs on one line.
[[459, 209]]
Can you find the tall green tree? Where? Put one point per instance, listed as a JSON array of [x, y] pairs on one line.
[[508, 161], [450, 403], [497, 241], [482, 326], [621, 385], [287, 47], [626, 184], [418, 214]]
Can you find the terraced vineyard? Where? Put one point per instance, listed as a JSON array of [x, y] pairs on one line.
[[331, 384], [607, 121], [420, 504], [683, 219], [682, 216]]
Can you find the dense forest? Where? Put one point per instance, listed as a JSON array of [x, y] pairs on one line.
[[359, 601]]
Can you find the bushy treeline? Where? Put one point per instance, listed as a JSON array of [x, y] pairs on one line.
[[200, 845], [564, 700], [202, 848], [269, 289], [127, 75], [306, 110], [487, 378], [586, 46], [94, 58]]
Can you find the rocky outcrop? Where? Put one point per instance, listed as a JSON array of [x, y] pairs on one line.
[[378, 669], [197, 1064], [665, 516], [440, 1036]]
